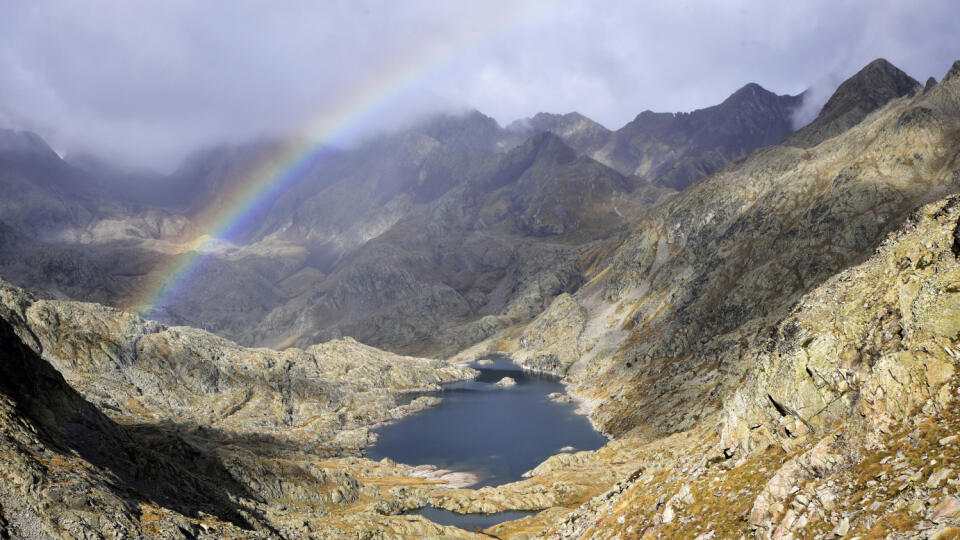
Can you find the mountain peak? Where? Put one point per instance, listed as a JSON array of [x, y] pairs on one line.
[[750, 94], [953, 73], [872, 87], [545, 149], [578, 131], [559, 124], [649, 119], [469, 129], [869, 89], [461, 119], [25, 143], [749, 90], [551, 147]]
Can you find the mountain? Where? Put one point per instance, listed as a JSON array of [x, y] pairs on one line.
[[868, 90], [296, 255], [780, 318], [173, 431], [44, 184], [851, 394], [422, 241], [676, 149], [289, 268], [732, 255], [581, 133], [486, 255]]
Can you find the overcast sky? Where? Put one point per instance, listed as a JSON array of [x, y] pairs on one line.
[[147, 82]]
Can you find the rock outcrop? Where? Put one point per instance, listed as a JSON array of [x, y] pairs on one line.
[[116, 426], [550, 343], [145, 372], [874, 342]]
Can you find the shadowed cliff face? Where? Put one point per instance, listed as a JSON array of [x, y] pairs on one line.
[[71, 470], [676, 150]]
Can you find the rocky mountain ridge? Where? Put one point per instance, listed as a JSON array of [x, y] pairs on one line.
[[675, 150]]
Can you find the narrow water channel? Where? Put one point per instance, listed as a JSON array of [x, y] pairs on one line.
[[469, 522], [495, 432]]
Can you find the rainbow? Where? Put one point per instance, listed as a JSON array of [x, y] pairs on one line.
[[336, 121]]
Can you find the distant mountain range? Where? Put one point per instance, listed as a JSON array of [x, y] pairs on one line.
[[352, 247]]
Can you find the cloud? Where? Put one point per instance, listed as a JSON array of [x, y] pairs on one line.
[[814, 99], [149, 82]]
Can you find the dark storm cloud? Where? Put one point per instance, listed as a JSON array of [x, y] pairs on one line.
[[149, 81]]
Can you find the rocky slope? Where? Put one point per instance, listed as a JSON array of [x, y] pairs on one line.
[[845, 425], [145, 372], [494, 251], [113, 425], [866, 447], [718, 326], [712, 270], [581, 133]]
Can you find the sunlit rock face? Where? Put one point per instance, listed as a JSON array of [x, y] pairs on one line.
[[843, 423]]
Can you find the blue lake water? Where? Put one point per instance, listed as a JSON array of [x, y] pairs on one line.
[[494, 432]]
